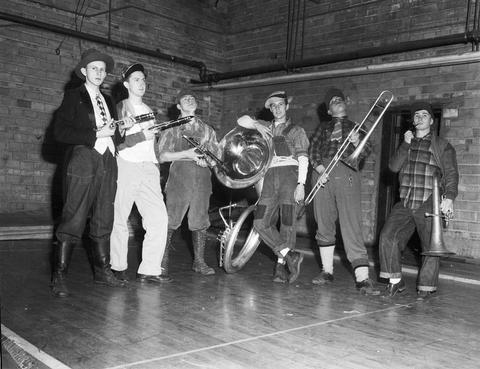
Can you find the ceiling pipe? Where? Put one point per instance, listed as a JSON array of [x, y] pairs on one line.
[[105, 41], [439, 61], [402, 47]]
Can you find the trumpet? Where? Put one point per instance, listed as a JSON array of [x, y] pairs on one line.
[[210, 157], [377, 110]]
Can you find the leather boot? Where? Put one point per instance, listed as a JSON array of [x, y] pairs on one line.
[[166, 253], [63, 254], [199, 239], [101, 264], [294, 260], [280, 273]]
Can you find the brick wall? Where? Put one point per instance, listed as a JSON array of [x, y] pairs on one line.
[[236, 34], [341, 26], [37, 66]]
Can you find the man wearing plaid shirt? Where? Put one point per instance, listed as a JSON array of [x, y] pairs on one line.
[[340, 196], [420, 157]]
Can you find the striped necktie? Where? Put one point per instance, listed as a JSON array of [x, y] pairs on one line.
[[103, 114], [337, 131]]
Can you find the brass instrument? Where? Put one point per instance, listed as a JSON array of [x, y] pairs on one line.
[[245, 157], [150, 116], [376, 112], [437, 246]]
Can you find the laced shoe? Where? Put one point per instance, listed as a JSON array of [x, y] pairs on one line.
[[280, 274], [394, 288], [294, 260], [367, 287], [323, 278]]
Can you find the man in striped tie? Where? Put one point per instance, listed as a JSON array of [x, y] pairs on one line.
[[339, 199], [84, 122]]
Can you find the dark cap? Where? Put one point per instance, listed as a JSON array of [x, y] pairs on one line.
[[137, 67], [422, 105], [185, 92], [92, 55], [275, 96], [331, 93]]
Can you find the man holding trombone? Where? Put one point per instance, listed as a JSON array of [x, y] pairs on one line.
[[419, 159], [339, 199]]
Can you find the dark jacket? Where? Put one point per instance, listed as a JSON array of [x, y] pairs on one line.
[[75, 119], [445, 157]]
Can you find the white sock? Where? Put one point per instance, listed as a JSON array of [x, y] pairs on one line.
[[285, 251], [361, 273], [395, 280], [280, 261], [326, 253]]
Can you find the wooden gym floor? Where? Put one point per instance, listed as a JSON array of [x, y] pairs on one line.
[[240, 320]]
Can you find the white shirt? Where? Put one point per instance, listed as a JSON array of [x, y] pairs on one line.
[[143, 151]]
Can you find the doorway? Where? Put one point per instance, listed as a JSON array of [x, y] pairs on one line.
[[396, 122]]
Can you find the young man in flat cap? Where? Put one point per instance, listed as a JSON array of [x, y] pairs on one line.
[[139, 183], [283, 185], [421, 156], [84, 122], [339, 199], [189, 184]]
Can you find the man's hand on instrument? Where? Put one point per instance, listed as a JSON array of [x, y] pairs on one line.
[[408, 137], [322, 179], [201, 162], [299, 193], [355, 138], [128, 123], [246, 121], [107, 130], [446, 207]]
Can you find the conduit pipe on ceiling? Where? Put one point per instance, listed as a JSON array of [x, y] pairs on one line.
[[104, 41], [439, 61], [401, 47]]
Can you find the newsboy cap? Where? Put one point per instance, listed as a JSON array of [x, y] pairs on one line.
[[421, 105], [331, 93]]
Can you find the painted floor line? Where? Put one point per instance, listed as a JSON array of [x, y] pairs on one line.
[[32, 350], [254, 338]]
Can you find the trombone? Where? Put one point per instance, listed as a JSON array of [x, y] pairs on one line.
[[377, 110]]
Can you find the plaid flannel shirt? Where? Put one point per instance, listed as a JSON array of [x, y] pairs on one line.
[[416, 177], [322, 149]]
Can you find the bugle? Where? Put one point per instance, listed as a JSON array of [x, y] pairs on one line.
[[437, 246], [375, 114]]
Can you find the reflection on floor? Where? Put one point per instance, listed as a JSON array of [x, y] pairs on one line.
[[240, 320]]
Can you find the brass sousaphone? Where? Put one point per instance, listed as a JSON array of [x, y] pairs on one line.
[[246, 156]]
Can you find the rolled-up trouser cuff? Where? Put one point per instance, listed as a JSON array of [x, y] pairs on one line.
[[427, 288], [360, 263], [387, 275]]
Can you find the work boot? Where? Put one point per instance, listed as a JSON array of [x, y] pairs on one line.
[[63, 254], [168, 246], [280, 273], [199, 239], [294, 260], [101, 264]]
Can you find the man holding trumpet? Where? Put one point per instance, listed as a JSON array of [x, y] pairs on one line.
[[420, 157], [339, 199]]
